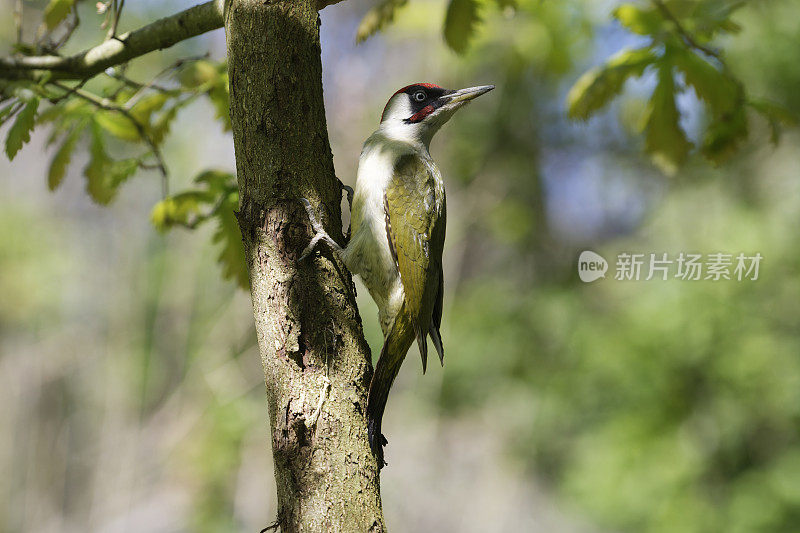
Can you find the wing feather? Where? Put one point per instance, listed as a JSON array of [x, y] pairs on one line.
[[414, 207]]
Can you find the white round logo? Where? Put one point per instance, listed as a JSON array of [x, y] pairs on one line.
[[591, 266]]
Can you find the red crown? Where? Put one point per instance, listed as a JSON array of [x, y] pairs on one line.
[[426, 85]]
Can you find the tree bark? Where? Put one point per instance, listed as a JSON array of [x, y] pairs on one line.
[[316, 361]]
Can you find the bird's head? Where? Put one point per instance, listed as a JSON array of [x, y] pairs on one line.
[[417, 111]]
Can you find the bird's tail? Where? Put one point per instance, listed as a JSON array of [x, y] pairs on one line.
[[395, 346]]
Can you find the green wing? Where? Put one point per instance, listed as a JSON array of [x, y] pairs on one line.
[[415, 225]]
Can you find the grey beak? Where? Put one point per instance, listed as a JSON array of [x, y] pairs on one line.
[[465, 95]]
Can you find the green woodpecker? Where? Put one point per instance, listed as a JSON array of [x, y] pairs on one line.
[[397, 232]]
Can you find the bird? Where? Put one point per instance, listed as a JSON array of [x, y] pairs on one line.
[[397, 229]]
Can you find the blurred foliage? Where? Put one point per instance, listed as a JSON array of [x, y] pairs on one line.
[[654, 406], [126, 124], [680, 34], [137, 115], [217, 449], [377, 18], [460, 23], [123, 383], [56, 12], [651, 406], [217, 197]]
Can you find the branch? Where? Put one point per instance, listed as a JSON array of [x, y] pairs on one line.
[[160, 34], [112, 32], [72, 25], [18, 19], [133, 84], [685, 35], [104, 103]]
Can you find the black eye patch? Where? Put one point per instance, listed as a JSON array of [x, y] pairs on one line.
[[424, 100]]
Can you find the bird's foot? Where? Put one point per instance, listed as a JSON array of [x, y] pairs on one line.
[[320, 233]]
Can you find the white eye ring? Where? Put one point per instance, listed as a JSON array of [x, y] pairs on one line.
[[419, 96]]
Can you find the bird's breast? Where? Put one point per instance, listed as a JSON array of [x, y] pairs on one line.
[[368, 253]]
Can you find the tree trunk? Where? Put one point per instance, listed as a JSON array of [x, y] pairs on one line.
[[316, 361]]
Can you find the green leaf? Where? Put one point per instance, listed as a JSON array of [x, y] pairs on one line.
[[712, 16], [460, 24], [120, 171], [198, 74], [724, 134], [682, 9], [217, 180], [160, 128], [507, 4], [638, 20], [216, 185], [24, 49], [665, 141], [217, 198], [119, 95], [776, 115], [720, 92], [598, 86], [56, 11], [96, 171], [118, 125], [144, 108], [161, 216], [377, 18], [72, 108], [64, 116], [211, 78], [178, 208], [58, 166], [231, 257], [24, 91], [8, 111], [20, 131], [104, 175], [220, 100]]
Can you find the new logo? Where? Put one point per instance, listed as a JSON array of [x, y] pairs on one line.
[[591, 266]]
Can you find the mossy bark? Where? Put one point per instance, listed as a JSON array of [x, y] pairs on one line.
[[316, 361]]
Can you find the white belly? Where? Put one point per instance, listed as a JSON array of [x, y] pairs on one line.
[[368, 254]]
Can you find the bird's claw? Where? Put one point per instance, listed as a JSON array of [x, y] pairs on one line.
[[319, 232], [310, 248]]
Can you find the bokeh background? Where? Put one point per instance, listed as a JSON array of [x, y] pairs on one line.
[[131, 391]]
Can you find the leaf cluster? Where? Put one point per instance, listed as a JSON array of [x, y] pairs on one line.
[[461, 23], [123, 124], [681, 57], [215, 197]]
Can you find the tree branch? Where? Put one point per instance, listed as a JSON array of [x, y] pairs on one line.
[[18, 20], [160, 34], [104, 103], [118, 5], [685, 35]]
